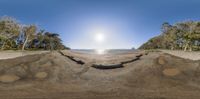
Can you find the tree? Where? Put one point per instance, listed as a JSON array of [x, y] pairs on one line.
[[53, 40], [29, 33], [184, 35], [153, 43], [2, 41], [189, 35], [165, 27], [170, 37], [40, 39], [17, 36], [9, 30]]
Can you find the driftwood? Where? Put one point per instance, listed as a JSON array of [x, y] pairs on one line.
[[129, 61], [103, 66], [139, 55], [78, 61], [114, 66]]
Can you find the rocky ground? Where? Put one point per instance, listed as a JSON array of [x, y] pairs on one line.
[[72, 75]]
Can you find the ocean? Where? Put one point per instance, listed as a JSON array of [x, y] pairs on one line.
[[100, 51]]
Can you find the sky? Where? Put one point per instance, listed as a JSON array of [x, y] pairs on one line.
[[101, 24]]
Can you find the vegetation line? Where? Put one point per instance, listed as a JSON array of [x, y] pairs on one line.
[[180, 36], [16, 36]]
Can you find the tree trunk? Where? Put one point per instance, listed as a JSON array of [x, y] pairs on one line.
[[51, 44], [172, 47], [3, 45], [185, 49], [24, 43], [190, 48]]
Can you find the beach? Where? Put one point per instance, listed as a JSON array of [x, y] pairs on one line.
[[13, 54], [194, 55], [67, 74]]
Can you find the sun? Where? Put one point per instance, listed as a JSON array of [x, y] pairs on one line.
[[99, 37]]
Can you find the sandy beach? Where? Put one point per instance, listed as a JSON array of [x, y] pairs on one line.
[[13, 54], [68, 74], [183, 54], [99, 49]]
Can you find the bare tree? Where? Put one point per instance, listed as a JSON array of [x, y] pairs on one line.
[[29, 33]]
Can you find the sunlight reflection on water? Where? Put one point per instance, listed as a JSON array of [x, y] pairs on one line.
[[100, 51]]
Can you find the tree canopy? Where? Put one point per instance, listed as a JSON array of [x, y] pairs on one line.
[[14, 35], [183, 36]]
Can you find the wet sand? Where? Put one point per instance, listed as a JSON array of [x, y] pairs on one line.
[[58, 75]]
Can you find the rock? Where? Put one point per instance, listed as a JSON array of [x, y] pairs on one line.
[[171, 72], [41, 75], [161, 60], [9, 78]]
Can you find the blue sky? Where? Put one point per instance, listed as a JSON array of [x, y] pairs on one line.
[[124, 23]]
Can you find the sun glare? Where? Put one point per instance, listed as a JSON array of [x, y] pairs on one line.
[[99, 37], [100, 51]]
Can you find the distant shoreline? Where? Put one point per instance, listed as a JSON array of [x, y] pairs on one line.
[[194, 55]]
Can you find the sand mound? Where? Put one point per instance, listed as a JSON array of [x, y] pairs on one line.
[[9, 78], [52, 66], [161, 60], [41, 75], [171, 72]]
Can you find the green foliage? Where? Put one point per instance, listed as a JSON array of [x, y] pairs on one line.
[[29, 33], [184, 35], [9, 27], [30, 37]]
